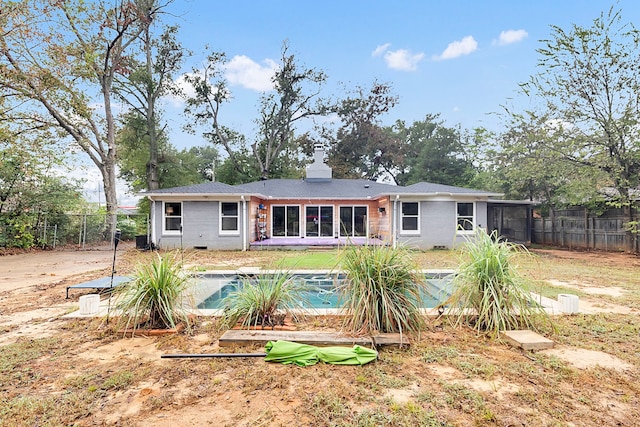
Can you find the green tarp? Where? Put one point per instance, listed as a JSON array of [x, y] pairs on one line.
[[306, 355]]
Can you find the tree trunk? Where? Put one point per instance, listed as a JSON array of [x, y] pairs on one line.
[[153, 180]]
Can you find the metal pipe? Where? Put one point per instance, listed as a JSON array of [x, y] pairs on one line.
[[210, 355]]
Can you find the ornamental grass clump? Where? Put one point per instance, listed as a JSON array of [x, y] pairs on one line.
[[488, 292], [381, 290], [266, 300], [154, 299]]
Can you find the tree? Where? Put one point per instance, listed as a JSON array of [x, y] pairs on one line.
[[32, 187], [151, 79], [435, 153], [361, 147], [531, 167], [285, 107], [56, 57], [590, 89], [174, 168], [290, 102]]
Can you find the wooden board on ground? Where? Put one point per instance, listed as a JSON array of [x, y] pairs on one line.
[[241, 337], [527, 340]]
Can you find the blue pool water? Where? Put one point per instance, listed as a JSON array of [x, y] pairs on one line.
[[322, 289]]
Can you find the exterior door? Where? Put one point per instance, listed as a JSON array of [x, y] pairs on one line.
[[285, 221], [319, 221], [353, 221]]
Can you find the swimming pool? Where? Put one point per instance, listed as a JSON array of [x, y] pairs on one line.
[[323, 289]]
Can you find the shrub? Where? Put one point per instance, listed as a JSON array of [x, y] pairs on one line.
[[265, 299], [488, 292], [154, 298], [381, 290]]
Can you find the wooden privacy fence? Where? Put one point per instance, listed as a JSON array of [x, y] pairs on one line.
[[581, 230]]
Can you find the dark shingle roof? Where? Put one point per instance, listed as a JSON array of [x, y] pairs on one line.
[[317, 189], [430, 188], [204, 188]]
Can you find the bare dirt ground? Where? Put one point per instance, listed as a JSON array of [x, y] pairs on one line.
[[448, 377]]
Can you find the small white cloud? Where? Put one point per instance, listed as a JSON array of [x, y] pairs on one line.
[[456, 109], [403, 60], [380, 49], [510, 36], [459, 48], [244, 71]]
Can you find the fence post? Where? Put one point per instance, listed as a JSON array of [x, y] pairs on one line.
[[44, 235], [55, 235], [84, 230], [586, 229]]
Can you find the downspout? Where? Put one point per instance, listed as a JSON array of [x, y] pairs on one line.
[[152, 238], [394, 239], [245, 223]]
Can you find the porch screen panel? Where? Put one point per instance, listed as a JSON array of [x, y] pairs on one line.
[[326, 221]]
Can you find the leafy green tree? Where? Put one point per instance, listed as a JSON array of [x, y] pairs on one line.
[[294, 98], [435, 153], [292, 101], [589, 89], [174, 168], [361, 147], [33, 190], [150, 80], [531, 167], [52, 76]]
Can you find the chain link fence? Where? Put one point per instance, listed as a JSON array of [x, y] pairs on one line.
[[80, 230]]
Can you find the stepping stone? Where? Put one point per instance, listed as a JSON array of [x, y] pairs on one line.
[[527, 340]]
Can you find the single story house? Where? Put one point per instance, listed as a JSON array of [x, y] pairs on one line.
[[322, 211]]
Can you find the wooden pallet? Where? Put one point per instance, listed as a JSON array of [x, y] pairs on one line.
[[244, 337]]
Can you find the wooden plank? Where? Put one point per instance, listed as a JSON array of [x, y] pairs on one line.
[[243, 337]]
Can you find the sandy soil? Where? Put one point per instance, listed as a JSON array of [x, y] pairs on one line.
[[32, 305], [44, 267]]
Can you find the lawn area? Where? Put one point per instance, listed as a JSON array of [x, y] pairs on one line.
[[58, 371]]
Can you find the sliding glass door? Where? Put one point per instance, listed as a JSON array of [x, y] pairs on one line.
[[353, 221], [285, 221], [319, 221]]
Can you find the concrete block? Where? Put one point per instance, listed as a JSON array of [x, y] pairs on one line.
[[89, 304], [527, 340], [569, 303]]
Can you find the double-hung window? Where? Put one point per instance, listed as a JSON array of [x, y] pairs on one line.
[[229, 218], [465, 217], [410, 218], [172, 218]]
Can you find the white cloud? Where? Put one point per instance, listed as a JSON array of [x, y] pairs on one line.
[[184, 87], [459, 48], [380, 49], [403, 60], [510, 36], [244, 71]]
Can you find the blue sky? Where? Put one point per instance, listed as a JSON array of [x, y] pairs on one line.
[[461, 59]]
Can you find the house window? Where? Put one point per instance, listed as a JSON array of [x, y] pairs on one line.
[[410, 218], [172, 220], [229, 218], [465, 217]]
